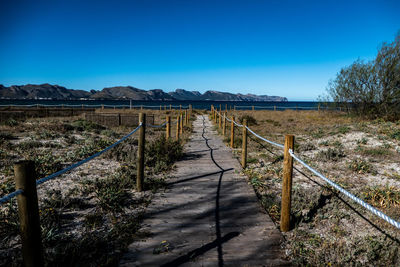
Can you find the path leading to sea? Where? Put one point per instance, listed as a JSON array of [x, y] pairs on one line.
[[209, 215]]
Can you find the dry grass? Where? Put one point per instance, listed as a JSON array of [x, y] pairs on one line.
[[90, 215], [361, 156]]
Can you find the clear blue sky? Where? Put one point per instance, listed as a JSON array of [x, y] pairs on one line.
[[286, 48]]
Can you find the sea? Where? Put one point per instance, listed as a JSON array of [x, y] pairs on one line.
[[238, 105]]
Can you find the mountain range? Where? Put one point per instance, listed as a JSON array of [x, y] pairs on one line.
[[56, 92]]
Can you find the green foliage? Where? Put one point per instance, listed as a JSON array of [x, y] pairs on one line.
[[84, 125], [45, 163], [112, 195], [382, 196], [11, 122], [162, 153], [371, 89], [360, 166]]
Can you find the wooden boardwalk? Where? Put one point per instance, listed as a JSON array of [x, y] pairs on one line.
[[209, 215]]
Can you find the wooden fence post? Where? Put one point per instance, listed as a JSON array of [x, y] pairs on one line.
[[232, 131], [252, 107], [28, 211], [244, 145], [226, 107], [177, 127], [170, 107], [186, 117], [220, 120], [168, 128], [160, 108], [274, 108], [180, 107], [181, 124], [140, 160], [287, 183], [102, 106], [224, 124]]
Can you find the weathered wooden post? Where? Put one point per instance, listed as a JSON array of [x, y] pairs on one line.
[[177, 127], [168, 128], [224, 124], [102, 106], [252, 108], [160, 108], [130, 104], [287, 183], [274, 108], [140, 160], [234, 108], [232, 131], [244, 145], [181, 124], [186, 117], [82, 106], [170, 107], [141, 107], [318, 106], [180, 107], [28, 211], [220, 120]]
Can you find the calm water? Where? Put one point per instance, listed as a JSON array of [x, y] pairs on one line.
[[305, 105]]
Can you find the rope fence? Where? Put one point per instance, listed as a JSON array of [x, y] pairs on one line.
[[26, 185], [288, 170]]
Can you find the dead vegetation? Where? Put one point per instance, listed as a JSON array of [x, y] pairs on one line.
[[91, 214], [360, 155]]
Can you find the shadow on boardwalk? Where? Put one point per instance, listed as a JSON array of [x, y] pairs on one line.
[[208, 216]]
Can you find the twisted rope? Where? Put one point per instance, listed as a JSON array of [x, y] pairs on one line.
[[264, 139], [349, 195], [156, 126], [73, 166]]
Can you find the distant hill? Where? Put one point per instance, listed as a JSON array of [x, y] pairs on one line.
[[48, 91]]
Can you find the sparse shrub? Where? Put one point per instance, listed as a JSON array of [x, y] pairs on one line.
[[306, 146], [250, 120], [362, 141], [332, 154], [93, 220], [84, 125], [45, 163], [382, 196], [5, 136], [162, 153], [11, 122], [154, 184], [377, 151], [252, 160], [318, 134], [111, 194], [324, 143], [344, 129], [395, 134], [360, 166], [337, 144]]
